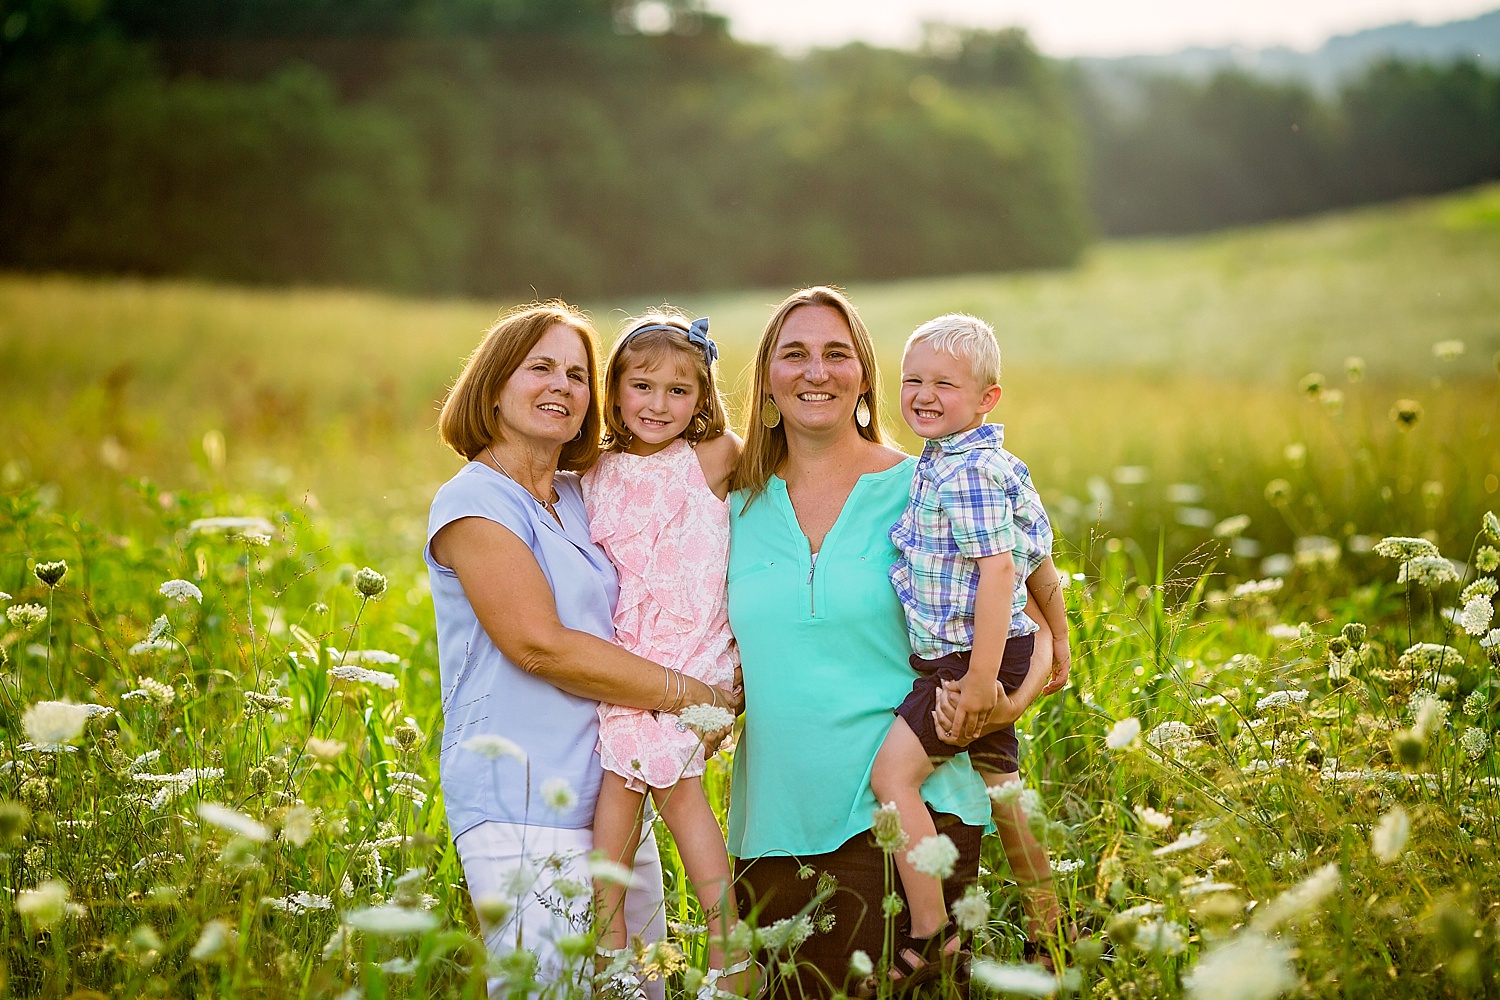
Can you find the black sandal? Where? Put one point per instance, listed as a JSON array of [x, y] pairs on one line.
[[928, 965]]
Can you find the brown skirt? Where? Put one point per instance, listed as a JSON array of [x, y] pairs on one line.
[[768, 889]]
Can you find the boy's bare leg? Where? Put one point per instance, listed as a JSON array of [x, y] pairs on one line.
[[1028, 862], [617, 835], [901, 766]]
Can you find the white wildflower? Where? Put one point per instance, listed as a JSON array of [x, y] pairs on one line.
[[494, 747], [860, 965], [1429, 712], [390, 921], [1300, 900], [1162, 937], [1476, 743], [706, 718], [361, 675], [971, 911], [226, 818], [1388, 838], [1123, 733], [1066, 867], [1250, 967], [1258, 588], [934, 856], [43, 906], [1405, 549], [1184, 842], [181, 591], [369, 584], [1153, 819], [1014, 980], [324, 749], [54, 723], [1232, 527], [257, 702], [230, 525], [1281, 699], [159, 628], [1428, 571], [1485, 586], [299, 902], [1429, 657], [1284, 633], [371, 656], [602, 869], [298, 824], [336, 943], [559, 795], [889, 836], [150, 646], [214, 943], [1476, 616], [26, 616], [1170, 733]]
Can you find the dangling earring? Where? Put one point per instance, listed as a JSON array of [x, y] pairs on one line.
[[770, 413], [862, 412]]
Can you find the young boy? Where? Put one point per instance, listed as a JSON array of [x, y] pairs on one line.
[[972, 540]]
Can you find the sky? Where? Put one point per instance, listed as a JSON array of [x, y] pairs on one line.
[[1084, 27]]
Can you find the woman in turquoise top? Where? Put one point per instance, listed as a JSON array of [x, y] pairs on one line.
[[822, 637]]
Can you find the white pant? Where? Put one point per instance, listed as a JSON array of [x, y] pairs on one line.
[[501, 859]]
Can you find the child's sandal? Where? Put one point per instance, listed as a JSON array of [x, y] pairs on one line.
[[918, 963]]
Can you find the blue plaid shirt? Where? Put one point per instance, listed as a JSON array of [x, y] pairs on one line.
[[970, 498]]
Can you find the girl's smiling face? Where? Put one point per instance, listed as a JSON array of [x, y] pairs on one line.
[[658, 399]]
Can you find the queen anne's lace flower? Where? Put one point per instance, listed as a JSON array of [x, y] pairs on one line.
[[1259, 588], [43, 906], [971, 911], [181, 591], [54, 723], [1428, 571], [361, 675], [559, 795], [235, 822], [1476, 743], [706, 718], [1388, 839], [1123, 733], [230, 525], [1281, 699], [886, 827], [390, 921], [1300, 900], [1406, 549], [1476, 616], [368, 583], [26, 616], [1250, 967], [1153, 819], [1429, 657], [492, 746], [934, 856]]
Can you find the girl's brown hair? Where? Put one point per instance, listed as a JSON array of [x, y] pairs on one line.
[[654, 347], [470, 419], [765, 447]]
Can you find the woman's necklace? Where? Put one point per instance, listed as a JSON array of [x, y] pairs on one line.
[[547, 505]]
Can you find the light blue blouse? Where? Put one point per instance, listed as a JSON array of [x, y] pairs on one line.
[[825, 655], [484, 694]]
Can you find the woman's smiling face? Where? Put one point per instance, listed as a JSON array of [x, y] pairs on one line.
[[815, 375], [546, 399]]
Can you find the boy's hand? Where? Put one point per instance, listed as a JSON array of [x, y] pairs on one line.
[[1062, 663], [975, 702]]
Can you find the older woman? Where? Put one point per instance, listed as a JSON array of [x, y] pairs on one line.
[[823, 641], [524, 603]]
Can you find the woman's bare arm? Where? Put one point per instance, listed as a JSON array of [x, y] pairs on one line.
[[510, 596]]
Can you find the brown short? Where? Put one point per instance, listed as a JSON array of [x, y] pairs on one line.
[[999, 752], [768, 889]]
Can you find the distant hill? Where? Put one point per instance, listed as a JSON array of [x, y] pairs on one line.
[[1337, 60]]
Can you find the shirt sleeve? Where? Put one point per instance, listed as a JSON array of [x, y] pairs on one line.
[[979, 511], [478, 495]]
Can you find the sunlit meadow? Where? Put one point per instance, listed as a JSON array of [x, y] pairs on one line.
[[1270, 455]]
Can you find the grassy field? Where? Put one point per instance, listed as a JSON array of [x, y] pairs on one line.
[[1309, 807]]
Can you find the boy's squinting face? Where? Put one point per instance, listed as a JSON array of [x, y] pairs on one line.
[[939, 393]]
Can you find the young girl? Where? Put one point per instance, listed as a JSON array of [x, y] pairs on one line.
[[656, 503]]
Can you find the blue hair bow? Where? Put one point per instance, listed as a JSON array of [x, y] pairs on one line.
[[696, 333]]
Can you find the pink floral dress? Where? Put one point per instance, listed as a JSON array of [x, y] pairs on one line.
[[668, 536]]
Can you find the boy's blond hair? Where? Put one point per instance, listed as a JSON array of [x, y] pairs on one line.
[[966, 338]]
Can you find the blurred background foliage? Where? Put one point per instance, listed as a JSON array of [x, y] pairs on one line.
[[505, 147]]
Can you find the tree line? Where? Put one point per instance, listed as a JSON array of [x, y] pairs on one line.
[[453, 146], [591, 147], [1174, 155]]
